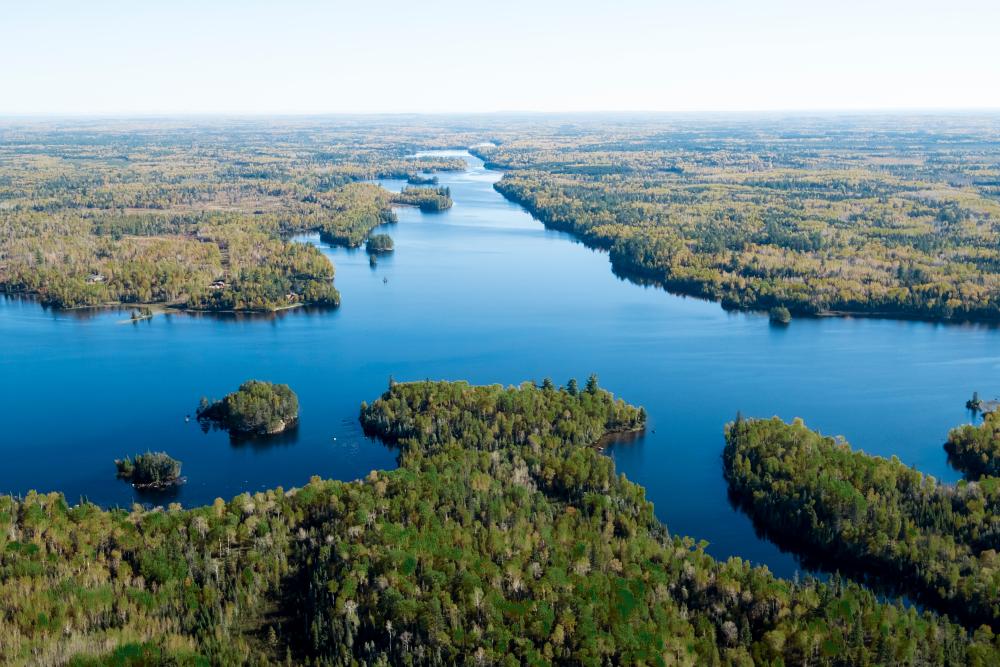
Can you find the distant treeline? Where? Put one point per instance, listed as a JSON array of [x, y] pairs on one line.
[[192, 220], [816, 220]]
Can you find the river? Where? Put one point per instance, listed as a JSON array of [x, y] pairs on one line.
[[480, 292]]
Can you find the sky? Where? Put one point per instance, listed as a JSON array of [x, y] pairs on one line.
[[310, 57]]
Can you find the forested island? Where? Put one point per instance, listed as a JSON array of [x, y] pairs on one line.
[[428, 200], [420, 179], [152, 470], [936, 541], [378, 244], [780, 315], [256, 408], [503, 537]]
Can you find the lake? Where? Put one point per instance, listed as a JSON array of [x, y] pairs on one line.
[[480, 292]]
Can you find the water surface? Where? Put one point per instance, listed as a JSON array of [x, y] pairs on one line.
[[481, 292]]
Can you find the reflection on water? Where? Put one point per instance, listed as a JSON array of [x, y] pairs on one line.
[[480, 292]]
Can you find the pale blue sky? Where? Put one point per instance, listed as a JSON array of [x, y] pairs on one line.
[[305, 56]]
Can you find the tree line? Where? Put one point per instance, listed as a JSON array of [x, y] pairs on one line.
[[975, 450], [193, 221], [818, 220], [504, 537], [939, 542]]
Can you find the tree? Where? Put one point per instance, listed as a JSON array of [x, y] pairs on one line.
[[256, 408], [152, 469]]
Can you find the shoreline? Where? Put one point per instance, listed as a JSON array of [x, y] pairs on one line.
[[645, 279], [159, 307], [620, 436], [158, 486]]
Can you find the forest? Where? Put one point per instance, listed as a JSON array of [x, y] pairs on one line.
[[975, 450], [890, 216], [194, 217], [894, 217], [936, 541], [504, 537]]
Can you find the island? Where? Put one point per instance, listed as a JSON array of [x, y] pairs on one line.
[[502, 507], [152, 470], [428, 200], [780, 315], [379, 243], [141, 313], [975, 450], [256, 408]]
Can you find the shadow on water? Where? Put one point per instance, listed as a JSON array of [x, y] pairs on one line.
[[822, 563], [641, 278], [481, 292], [286, 438], [154, 497], [254, 316], [622, 439], [256, 441]]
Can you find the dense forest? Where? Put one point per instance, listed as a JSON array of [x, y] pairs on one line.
[[975, 450], [890, 216], [937, 541], [897, 217], [195, 217], [504, 537], [355, 210]]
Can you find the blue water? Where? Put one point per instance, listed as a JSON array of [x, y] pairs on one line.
[[481, 292]]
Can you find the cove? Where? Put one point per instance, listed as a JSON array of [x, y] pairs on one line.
[[481, 292]]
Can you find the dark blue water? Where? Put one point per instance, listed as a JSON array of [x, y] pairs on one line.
[[481, 292]]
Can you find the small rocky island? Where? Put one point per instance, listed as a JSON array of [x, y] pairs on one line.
[[152, 470], [420, 179], [256, 408], [780, 315], [379, 243]]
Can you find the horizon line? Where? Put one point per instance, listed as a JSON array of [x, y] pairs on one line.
[[503, 112]]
